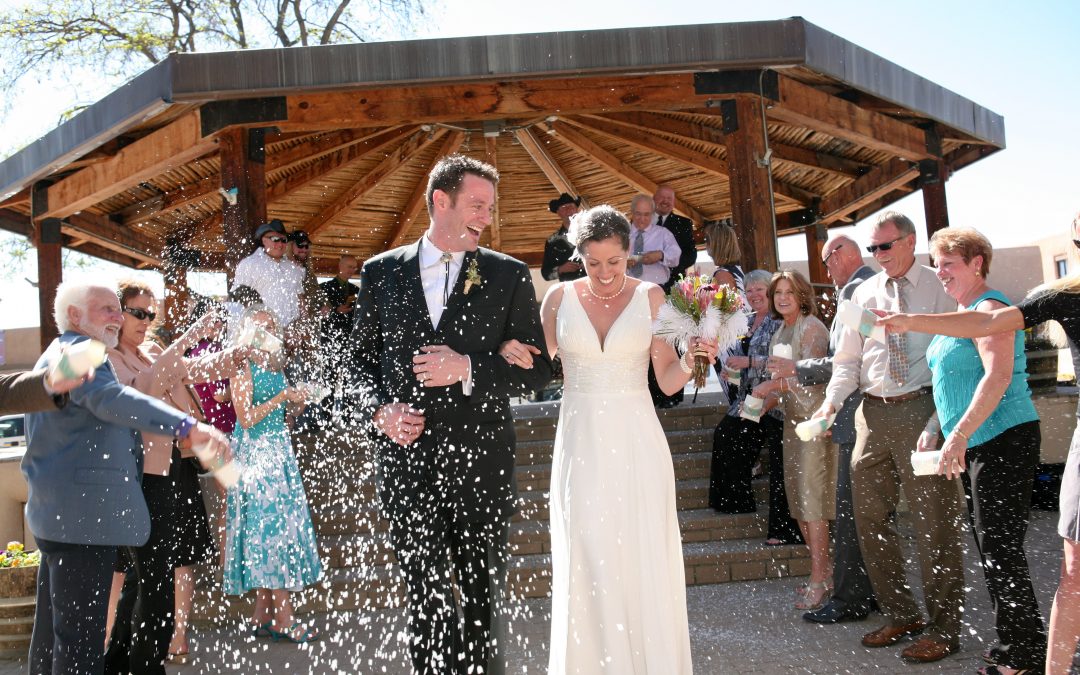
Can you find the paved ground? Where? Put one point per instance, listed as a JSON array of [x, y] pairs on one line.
[[746, 627]]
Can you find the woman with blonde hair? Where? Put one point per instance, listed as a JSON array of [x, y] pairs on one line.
[[809, 466], [1059, 301]]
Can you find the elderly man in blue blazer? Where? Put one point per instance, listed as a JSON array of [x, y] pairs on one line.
[[83, 465]]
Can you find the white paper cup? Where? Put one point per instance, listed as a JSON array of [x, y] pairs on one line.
[[734, 377], [79, 360], [925, 463], [259, 338], [783, 351], [813, 428], [862, 320], [751, 408], [228, 473]]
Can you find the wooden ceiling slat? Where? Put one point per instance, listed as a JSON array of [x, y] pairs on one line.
[[406, 151], [102, 232], [320, 145], [170, 201], [418, 199], [548, 166], [626, 173]]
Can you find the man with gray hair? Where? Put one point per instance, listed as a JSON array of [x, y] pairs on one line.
[[852, 596], [653, 250], [83, 466], [895, 381]]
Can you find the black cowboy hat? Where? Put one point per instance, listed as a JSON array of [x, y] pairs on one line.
[[274, 225], [299, 237], [564, 198]]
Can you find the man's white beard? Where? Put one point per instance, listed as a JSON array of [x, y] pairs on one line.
[[110, 338]]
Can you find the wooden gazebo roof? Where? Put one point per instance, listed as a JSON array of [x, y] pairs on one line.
[[338, 140]]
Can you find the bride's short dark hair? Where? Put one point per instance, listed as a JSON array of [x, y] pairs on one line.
[[597, 224]]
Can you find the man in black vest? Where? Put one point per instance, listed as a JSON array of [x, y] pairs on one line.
[[434, 393]]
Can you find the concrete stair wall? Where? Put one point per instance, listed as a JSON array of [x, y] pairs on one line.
[[360, 563]]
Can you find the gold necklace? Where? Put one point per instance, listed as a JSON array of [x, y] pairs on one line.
[[588, 287]]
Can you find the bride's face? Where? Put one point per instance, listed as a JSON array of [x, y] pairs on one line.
[[605, 262]]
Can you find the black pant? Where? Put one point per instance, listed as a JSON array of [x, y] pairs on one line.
[[781, 525], [737, 445], [72, 599], [144, 616], [852, 586], [477, 553], [998, 483]]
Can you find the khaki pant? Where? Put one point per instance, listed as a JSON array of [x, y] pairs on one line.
[[880, 465]]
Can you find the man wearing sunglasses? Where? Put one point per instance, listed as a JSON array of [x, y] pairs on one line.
[[895, 381], [269, 271]]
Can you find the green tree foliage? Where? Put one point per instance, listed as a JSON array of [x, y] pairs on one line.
[[119, 38]]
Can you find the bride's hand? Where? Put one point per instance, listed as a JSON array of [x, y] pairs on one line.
[[705, 347], [518, 353]]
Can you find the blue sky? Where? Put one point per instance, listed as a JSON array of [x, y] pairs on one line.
[[1018, 59]]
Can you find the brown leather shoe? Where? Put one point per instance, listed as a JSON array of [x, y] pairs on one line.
[[927, 650], [890, 635]]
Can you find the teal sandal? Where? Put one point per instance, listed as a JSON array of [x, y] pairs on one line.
[[309, 634], [263, 630]]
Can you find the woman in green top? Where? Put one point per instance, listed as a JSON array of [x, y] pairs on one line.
[[985, 412]]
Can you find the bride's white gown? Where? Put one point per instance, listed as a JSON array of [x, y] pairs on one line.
[[618, 586]]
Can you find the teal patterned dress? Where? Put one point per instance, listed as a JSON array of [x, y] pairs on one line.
[[269, 539]]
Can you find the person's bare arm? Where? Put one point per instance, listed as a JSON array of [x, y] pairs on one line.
[[966, 324]]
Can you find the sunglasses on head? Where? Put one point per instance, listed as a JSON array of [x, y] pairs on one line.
[[278, 240], [884, 247], [140, 314]]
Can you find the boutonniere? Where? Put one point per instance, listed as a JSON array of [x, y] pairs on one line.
[[472, 276]]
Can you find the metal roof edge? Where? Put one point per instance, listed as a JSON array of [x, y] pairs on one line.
[[832, 55], [140, 98]]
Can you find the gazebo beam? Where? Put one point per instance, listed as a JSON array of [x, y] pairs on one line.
[[547, 163], [878, 182], [489, 100], [620, 169], [352, 195], [751, 209], [104, 233], [173, 145], [243, 169], [320, 146], [491, 156], [805, 106], [418, 198], [170, 201]]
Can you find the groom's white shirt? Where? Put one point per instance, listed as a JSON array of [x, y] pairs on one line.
[[434, 280]]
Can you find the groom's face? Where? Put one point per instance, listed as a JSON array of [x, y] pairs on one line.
[[460, 219]]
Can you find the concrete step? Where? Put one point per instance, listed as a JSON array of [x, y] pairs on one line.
[[21, 625], [14, 608]]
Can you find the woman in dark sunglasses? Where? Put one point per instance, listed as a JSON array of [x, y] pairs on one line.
[[143, 586], [1059, 301]]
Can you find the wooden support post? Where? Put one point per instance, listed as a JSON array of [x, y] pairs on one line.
[[934, 173], [816, 236], [751, 206], [177, 294], [47, 240], [243, 168]]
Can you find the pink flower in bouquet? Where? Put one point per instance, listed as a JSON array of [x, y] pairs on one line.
[[705, 296]]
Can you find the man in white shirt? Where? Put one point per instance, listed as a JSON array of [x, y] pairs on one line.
[[653, 249], [277, 279], [895, 381]]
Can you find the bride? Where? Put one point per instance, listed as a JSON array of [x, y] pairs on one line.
[[618, 584]]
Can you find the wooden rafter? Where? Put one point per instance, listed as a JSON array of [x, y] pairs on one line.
[[173, 145], [394, 161], [491, 156], [547, 164], [878, 182], [805, 106], [618, 168], [319, 146], [340, 159], [20, 198], [102, 232], [418, 198], [170, 201], [489, 100]]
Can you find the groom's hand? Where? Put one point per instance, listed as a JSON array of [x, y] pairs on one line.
[[440, 366], [401, 422]]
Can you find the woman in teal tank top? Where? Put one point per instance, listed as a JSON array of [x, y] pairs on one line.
[[992, 442], [269, 539]]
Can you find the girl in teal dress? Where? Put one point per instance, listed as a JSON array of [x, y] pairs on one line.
[[269, 540]]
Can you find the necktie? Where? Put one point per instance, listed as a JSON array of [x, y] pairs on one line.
[[660, 221], [445, 260], [898, 357], [639, 248]]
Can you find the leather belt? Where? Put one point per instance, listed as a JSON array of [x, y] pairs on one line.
[[899, 398]]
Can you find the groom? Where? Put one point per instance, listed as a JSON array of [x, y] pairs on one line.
[[430, 318]]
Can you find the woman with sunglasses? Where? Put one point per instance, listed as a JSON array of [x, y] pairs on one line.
[[140, 632], [1059, 301]]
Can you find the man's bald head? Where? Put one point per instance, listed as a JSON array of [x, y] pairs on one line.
[[842, 258]]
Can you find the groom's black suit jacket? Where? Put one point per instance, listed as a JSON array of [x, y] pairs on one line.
[[464, 460]]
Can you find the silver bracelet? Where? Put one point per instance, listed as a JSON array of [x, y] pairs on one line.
[[688, 369]]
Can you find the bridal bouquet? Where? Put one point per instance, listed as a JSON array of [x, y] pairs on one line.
[[697, 308]]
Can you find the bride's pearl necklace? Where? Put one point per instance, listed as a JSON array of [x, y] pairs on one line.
[[588, 287]]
